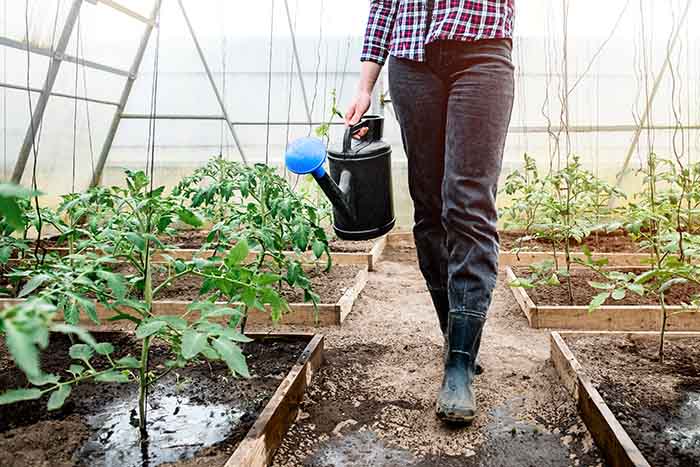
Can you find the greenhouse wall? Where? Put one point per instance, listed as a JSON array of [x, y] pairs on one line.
[[612, 62]]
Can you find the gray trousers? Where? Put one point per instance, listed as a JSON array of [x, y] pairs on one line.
[[454, 111]]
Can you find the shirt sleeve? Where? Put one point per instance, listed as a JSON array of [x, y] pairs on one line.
[[380, 25]]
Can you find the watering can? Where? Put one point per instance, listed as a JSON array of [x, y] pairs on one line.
[[359, 183]]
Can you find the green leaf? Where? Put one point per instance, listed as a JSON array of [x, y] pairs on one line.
[[80, 352], [619, 294], [174, 321], [149, 328], [598, 301], [232, 355], [267, 279], [76, 370], [115, 282], [601, 285], [137, 240], [193, 343], [17, 395], [5, 253], [189, 217], [82, 334], [318, 248], [34, 283], [112, 377], [104, 348], [636, 288], [128, 362], [11, 211], [58, 397], [238, 254], [22, 349]]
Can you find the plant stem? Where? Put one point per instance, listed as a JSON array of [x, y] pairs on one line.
[[143, 387], [664, 319], [143, 370]]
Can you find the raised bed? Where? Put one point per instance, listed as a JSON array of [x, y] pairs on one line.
[[328, 314], [235, 446], [349, 254], [608, 317], [525, 257], [633, 431]]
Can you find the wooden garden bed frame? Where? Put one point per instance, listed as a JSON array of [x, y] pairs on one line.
[[329, 314], [369, 259], [605, 318], [617, 447], [265, 437], [526, 258]]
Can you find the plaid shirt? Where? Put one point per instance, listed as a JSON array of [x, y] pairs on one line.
[[399, 26]]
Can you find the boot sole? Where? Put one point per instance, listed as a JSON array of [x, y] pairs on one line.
[[455, 418]]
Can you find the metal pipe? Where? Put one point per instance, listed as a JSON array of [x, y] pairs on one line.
[[62, 56], [513, 129], [213, 83], [51, 75], [58, 94], [126, 92], [121, 8], [298, 63]]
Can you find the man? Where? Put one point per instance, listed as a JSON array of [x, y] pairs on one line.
[[451, 82]]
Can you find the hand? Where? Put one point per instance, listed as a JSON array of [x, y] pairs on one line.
[[359, 106]]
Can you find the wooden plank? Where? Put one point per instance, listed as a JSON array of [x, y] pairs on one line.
[[328, 314], [264, 438], [526, 258], [617, 447], [347, 301], [186, 254], [565, 363], [526, 304], [376, 253], [398, 238]]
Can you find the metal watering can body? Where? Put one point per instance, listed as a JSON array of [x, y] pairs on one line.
[[359, 182]]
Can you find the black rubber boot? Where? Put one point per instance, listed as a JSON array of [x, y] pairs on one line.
[[442, 307], [456, 402]]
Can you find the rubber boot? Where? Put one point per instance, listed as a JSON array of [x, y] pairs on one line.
[[442, 307], [456, 402]]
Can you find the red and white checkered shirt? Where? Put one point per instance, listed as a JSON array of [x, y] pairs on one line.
[[398, 27]]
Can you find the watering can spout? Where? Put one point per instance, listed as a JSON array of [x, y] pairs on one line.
[[307, 156]]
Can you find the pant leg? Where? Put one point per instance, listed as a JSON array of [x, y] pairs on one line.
[[480, 101], [419, 98]]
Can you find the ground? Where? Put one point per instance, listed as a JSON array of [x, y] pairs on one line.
[[373, 401]]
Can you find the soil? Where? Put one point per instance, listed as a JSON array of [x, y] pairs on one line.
[[199, 411], [373, 401], [657, 404], [613, 242], [330, 286], [584, 293]]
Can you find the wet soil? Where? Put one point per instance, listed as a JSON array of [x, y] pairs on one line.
[[200, 412], [373, 401], [330, 286], [614, 242], [584, 293], [657, 404]]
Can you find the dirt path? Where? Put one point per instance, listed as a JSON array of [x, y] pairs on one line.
[[372, 404]]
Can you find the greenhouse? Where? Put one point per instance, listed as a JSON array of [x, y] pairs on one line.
[[424, 233]]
